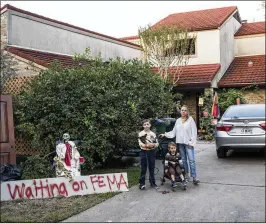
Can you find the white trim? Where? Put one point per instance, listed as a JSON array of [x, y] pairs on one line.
[[249, 36], [231, 85], [251, 55]]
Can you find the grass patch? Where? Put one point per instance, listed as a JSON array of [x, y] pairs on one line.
[[60, 208]]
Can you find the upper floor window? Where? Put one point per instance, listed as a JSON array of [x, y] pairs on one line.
[[184, 47]]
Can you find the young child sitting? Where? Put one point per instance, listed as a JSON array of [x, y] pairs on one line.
[[172, 164]]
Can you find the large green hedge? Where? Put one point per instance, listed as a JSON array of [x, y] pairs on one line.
[[100, 103]]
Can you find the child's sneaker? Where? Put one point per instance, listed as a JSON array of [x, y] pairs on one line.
[[174, 184], [154, 185], [142, 187]]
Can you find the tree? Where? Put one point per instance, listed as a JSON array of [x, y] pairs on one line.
[[8, 69], [168, 48], [99, 103], [263, 6]]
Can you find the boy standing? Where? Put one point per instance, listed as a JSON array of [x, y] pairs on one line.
[[147, 142]]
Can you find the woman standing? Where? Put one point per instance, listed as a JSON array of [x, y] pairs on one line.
[[185, 131]]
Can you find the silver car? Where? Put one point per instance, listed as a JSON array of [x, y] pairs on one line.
[[241, 127]]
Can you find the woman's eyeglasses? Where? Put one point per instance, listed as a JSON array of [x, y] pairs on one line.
[[183, 110]]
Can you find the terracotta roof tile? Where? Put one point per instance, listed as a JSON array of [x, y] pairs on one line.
[[240, 74], [195, 20], [191, 75], [196, 74], [251, 29], [198, 20], [41, 58], [129, 37]]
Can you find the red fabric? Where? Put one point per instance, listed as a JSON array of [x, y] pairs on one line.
[[81, 160], [68, 154]]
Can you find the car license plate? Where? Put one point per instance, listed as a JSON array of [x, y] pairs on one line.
[[246, 131]]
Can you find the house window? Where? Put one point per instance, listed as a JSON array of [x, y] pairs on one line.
[[188, 47]]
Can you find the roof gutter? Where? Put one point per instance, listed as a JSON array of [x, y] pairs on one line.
[[240, 84]]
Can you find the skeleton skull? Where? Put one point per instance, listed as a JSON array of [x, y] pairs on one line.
[[66, 136]]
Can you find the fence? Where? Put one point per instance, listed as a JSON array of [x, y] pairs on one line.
[[23, 146]]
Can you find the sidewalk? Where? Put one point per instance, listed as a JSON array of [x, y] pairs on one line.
[[139, 206]]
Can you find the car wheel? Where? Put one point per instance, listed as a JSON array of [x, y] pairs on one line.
[[221, 152]]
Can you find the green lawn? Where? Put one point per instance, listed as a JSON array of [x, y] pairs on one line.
[[60, 208]]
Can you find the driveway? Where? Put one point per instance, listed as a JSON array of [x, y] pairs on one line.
[[231, 190]]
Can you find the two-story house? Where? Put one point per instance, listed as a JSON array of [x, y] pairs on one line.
[[219, 43]]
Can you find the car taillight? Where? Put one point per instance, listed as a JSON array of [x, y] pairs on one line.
[[221, 127], [263, 125]]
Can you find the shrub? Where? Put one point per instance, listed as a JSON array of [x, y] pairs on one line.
[[227, 97], [36, 167], [206, 121], [100, 103]]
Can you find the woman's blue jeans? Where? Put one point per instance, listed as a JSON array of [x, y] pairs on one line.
[[188, 157]]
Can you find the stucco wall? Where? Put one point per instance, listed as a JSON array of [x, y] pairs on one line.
[[227, 47], [207, 47], [35, 33], [250, 45]]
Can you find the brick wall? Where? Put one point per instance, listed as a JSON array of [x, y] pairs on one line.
[[3, 29], [190, 101], [254, 97]]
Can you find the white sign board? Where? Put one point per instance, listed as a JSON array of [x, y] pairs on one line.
[[52, 187]]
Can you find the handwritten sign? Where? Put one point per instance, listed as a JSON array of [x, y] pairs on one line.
[[52, 187]]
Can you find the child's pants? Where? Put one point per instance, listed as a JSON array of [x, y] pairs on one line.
[[174, 170], [147, 159]]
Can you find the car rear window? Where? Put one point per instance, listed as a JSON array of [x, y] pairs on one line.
[[256, 111]]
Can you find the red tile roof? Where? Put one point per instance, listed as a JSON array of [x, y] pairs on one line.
[[251, 29], [196, 74], [41, 58], [191, 75], [10, 7], [240, 74], [199, 20], [129, 37]]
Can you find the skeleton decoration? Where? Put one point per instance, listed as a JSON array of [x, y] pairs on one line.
[[68, 159]]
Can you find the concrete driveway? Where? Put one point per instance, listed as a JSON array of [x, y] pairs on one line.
[[231, 190]]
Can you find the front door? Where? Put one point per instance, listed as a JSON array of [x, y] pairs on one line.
[[7, 139]]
